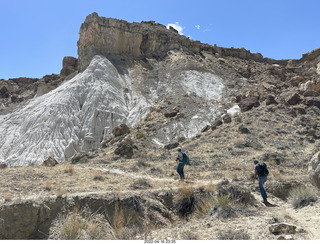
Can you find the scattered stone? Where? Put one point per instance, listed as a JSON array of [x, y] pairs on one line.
[[3, 166], [243, 129], [79, 158], [310, 93], [294, 99], [226, 118], [248, 103], [50, 162], [271, 100], [216, 123], [125, 148], [206, 128], [282, 228], [312, 101], [171, 145], [121, 130], [170, 114]]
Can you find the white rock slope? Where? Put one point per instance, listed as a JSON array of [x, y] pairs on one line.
[[75, 116]]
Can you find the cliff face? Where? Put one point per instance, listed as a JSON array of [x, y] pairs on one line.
[[114, 39]]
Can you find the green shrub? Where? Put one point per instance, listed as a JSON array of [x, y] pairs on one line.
[[301, 197], [140, 135]]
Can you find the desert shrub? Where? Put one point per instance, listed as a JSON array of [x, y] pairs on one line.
[[188, 201], [69, 170], [236, 194], [140, 135], [185, 201], [234, 235], [188, 235], [222, 207], [301, 197], [181, 139], [48, 186], [98, 176], [80, 225]]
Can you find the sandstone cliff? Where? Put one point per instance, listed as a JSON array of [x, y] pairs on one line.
[[115, 38]]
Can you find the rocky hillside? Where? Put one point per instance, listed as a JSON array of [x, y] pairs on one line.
[[99, 148]]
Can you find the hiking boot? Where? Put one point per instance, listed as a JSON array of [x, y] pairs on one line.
[[265, 201]]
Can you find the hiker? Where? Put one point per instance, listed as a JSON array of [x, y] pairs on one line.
[[183, 159], [261, 170]]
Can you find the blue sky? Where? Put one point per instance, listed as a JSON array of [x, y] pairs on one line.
[[37, 34]]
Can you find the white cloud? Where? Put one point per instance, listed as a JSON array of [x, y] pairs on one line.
[[197, 27], [177, 26]]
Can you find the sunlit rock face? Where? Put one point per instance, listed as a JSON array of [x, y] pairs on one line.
[[75, 116]]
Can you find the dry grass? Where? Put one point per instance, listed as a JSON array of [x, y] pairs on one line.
[[60, 191], [48, 186], [98, 175], [8, 197], [81, 225], [69, 170], [301, 197], [234, 235]]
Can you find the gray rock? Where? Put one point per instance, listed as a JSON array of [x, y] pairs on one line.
[[248, 103], [50, 162], [282, 228], [294, 99], [314, 169]]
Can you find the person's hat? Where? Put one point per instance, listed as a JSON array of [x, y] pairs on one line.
[[255, 161], [179, 149]]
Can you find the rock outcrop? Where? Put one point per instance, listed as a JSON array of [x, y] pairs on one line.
[[69, 65], [314, 169], [115, 38]]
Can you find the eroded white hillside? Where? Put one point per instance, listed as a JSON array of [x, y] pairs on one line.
[[75, 116]]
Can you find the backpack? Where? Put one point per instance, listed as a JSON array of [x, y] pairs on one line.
[[262, 169], [185, 158]]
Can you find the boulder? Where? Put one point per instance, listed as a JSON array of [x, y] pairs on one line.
[[312, 101], [121, 130], [3, 166], [216, 123], [248, 103], [171, 145], [271, 100], [310, 93], [206, 128], [125, 148], [170, 113], [294, 99], [243, 130], [226, 118], [50, 162], [314, 169], [282, 228]]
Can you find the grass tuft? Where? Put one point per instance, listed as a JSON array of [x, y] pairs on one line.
[[301, 197]]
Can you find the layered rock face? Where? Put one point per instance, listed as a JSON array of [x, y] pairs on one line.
[[116, 39]]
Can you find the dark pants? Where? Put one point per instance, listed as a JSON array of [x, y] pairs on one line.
[[180, 170]]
